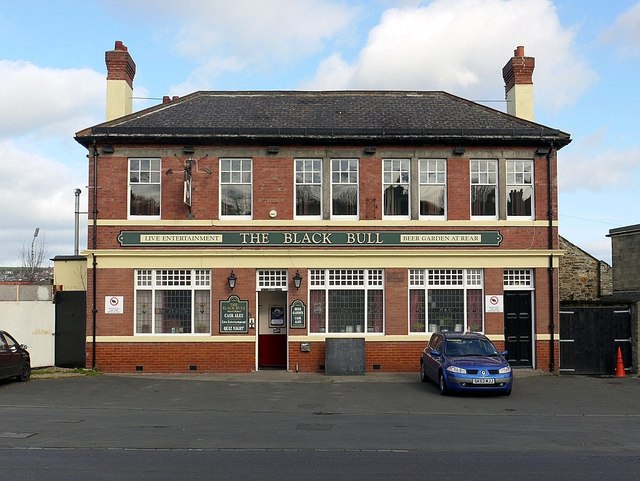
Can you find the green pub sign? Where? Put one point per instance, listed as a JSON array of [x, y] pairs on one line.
[[298, 315], [234, 315]]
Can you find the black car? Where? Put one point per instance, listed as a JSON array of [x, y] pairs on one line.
[[15, 361]]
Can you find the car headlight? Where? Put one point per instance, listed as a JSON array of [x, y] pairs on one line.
[[505, 370], [457, 370]]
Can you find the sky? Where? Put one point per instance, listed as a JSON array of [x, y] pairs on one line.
[[53, 84]]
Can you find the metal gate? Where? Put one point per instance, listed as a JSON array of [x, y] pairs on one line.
[[590, 337], [71, 329]]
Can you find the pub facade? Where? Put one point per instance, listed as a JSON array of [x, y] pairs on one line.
[[235, 231]]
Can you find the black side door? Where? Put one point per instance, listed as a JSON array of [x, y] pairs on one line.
[[518, 328]]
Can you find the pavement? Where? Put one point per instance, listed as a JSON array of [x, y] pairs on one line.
[[302, 377]]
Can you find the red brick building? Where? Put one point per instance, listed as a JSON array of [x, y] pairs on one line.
[[239, 231]]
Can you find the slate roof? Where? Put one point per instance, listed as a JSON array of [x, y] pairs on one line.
[[328, 116]]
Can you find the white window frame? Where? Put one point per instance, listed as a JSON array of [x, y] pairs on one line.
[[157, 173], [487, 177], [327, 280], [157, 280], [444, 279], [305, 181], [518, 279], [429, 171], [272, 279], [234, 173], [341, 174], [517, 177], [398, 175]]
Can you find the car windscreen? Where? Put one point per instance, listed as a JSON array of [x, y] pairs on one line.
[[469, 347]]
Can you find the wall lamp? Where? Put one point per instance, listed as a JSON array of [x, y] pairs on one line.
[[107, 149], [188, 149], [459, 150], [544, 150], [231, 279], [297, 280], [370, 150], [273, 149]]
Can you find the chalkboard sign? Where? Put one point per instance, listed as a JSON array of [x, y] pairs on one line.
[[234, 315], [298, 314]]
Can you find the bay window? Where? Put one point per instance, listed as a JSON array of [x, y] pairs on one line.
[[346, 300], [173, 301], [445, 300]]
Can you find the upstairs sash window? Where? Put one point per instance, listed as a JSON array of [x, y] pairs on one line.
[[396, 186], [433, 183], [236, 178], [484, 186], [344, 188], [308, 179], [144, 188], [519, 188]]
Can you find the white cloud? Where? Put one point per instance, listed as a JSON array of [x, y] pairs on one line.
[[625, 32], [37, 191], [224, 38], [52, 101], [41, 164], [589, 164], [461, 47]]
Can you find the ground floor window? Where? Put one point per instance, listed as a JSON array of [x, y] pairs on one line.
[[445, 300], [346, 300], [518, 279], [173, 301]]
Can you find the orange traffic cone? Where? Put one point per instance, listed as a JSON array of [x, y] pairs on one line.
[[620, 372]]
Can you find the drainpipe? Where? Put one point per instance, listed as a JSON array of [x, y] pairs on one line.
[[94, 247], [552, 312], [76, 243]]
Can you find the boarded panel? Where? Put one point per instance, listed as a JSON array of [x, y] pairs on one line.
[[344, 357]]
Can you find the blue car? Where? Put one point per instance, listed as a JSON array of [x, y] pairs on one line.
[[467, 361]]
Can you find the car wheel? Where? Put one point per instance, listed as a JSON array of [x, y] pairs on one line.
[[506, 393], [442, 384], [423, 375], [25, 374]]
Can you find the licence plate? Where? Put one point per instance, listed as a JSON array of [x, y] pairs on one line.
[[484, 381]]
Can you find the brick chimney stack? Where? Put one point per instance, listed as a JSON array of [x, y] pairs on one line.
[[518, 81], [120, 72]]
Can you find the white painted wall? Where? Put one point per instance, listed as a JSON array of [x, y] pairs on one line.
[[31, 323]]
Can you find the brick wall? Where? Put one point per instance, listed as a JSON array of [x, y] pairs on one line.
[[179, 357]]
